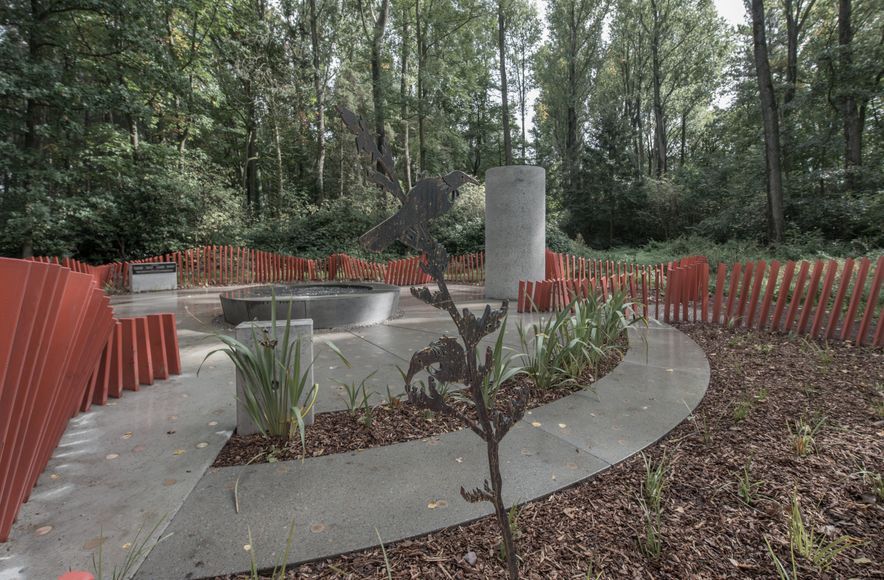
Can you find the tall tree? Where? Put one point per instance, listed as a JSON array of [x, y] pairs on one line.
[[850, 109], [523, 40], [770, 119], [567, 68], [504, 92], [379, 17]]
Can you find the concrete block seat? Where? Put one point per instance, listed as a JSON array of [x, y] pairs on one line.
[[337, 501]]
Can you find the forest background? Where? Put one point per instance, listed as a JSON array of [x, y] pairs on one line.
[[132, 128]]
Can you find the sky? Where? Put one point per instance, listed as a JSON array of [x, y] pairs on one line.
[[734, 11]]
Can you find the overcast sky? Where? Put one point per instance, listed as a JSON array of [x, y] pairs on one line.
[[734, 11]]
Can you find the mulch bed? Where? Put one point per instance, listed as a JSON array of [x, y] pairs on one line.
[[396, 422], [708, 531]]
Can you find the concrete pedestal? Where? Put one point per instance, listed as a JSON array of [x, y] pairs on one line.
[[301, 329], [515, 228]]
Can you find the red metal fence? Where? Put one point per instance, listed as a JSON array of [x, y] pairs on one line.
[[61, 351], [229, 265], [821, 299], [568, 276]]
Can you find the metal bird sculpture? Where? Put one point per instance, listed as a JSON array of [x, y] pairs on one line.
[[445, 360], [428, 199]]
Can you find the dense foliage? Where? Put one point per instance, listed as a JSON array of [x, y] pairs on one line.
[[133, 128]]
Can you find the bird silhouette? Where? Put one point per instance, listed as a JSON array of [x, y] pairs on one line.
[[428, 199]]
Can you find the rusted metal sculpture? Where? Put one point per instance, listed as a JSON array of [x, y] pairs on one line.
[[445, 360]]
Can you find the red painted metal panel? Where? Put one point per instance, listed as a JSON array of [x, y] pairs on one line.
[[115, 380], [784, 294], [170, 339], [704, 290], [40, 405], [668, 294], [130, 354], [824, 298], [811, 295], [869, 313], [102, 386], [797, 294], [145, 360], [12, 294], [732, 292], [768, 294], [93, 386], [83, 351], [157, 346], [839, 298], [760, 268], [744, 292]]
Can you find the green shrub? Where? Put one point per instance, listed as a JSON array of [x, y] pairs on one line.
[[276, 395], [557, 350]]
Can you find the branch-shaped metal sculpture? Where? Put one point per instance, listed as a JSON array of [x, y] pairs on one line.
[[445, 360]]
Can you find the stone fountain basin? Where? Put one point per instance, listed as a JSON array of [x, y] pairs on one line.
[[328, 304]]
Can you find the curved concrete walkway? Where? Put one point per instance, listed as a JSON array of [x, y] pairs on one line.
[[409, 489]]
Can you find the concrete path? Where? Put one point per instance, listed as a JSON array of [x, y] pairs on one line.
[[139, 461], [410, 489], [130, 465]]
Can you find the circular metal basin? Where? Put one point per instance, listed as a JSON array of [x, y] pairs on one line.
[[328, 304]]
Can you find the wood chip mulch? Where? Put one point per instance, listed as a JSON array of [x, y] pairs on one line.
[[708, 531], [396, 422]]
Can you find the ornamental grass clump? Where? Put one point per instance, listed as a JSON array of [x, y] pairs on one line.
[[556, 351], [276, 394]]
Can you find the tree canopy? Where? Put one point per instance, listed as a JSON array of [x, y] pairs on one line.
[[135, 128]]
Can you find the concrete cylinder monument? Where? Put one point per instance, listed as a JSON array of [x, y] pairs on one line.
[[515, 228]]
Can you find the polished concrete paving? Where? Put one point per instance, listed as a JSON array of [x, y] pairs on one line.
[[337, 502], [128, 466], [143, 461]]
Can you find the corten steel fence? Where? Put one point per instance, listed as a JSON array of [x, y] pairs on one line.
[[569, 276], [229, 265], [821, 299], [61, 351]]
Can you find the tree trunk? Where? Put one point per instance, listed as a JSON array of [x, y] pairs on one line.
[[251, 161], [377, 89], [403, 97], [849, 106], [523, 97], [776, 221], [795, 19], [319, 89], [660, 144], [341, 168], [571, 118], [275, 203], [421, 105], [684, 123], [504, 93]]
